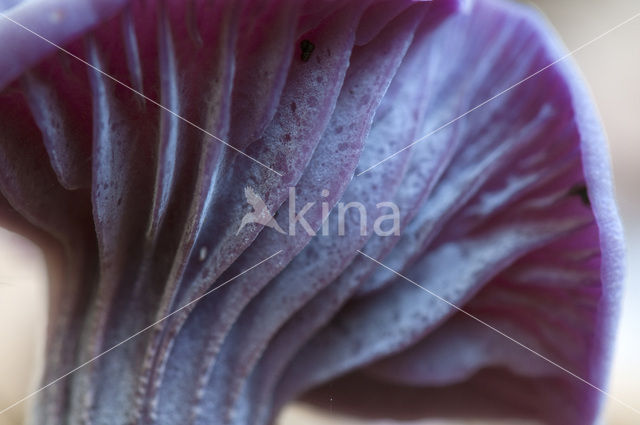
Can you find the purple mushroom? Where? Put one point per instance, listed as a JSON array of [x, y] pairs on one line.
[[444, 239]]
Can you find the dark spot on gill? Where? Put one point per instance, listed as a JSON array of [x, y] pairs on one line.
[[306, 48], [580, 190]]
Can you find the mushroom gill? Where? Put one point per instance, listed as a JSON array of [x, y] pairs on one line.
[[133, 133]]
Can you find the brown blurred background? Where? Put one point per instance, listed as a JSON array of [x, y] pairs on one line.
[[611, 67]]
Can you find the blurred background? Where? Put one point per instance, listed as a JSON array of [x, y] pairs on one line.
[[611, 67]]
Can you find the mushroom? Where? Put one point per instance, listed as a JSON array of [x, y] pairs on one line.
[[437, 233]]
